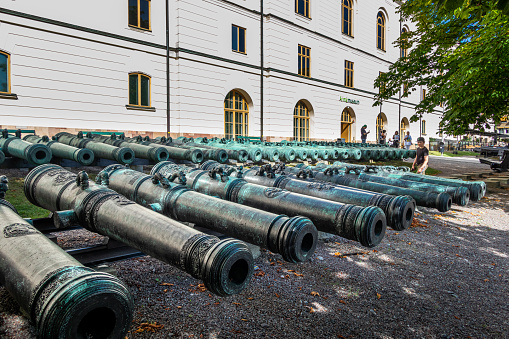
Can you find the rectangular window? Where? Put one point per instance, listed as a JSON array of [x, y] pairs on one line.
[[238, 39], [302, 7], [304, 61], [139, 14], [5, 86], [139, 90], [405, 89], [348, 73], [423, 94]]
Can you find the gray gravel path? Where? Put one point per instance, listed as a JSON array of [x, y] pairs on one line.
[[446, 277]]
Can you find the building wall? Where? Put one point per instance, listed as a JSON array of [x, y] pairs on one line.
[[70, 66]]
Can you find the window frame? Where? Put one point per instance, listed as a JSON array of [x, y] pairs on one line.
[[238, 39], [138, 94], [404, 51], [307, 8], [8, 72], [149, 29], [350, 17], [423, 127], [349, 74], [380, 39], [302, 58], [299, 119], [245, 112]]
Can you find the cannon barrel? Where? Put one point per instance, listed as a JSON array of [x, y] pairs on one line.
[[154, 154], [399, 210], [211, 153], [295, 238], [363, 224], [225, 266], [254, 153], [122, 155], [440, 201], [15, 147], [84, 156], [194, 155], [460, 195], [62, 298]]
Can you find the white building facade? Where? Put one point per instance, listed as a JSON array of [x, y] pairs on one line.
[[281, 69]]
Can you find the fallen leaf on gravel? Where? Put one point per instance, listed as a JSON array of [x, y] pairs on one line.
[[277, 295], [272, 263], [342, 301], [179, 307], [259, 274], [396, 233], [291, 271], [250, 298], [299, 288], [237, 331], [486, 280], [298, 275], [149, 327], [243, 319], [311, 309], [341, 337], [337, 254], [378, 295], [236, 303], [287, 276], [166, 284], [375, 251], [165, 290], [410, 243], [315, 294], [217, 303], [456, 317]]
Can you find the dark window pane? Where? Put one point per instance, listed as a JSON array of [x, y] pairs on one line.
[[145, 91], [144, 14], [300, 7], [242, 40], [133, 12], [308, 67], [4, 73], [234, 38], [133, 89]]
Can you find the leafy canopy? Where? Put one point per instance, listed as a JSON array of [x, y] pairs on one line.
[[460, 52]]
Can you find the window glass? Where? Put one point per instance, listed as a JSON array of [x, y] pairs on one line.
[[4, 72], [145, 14], [236, 115], [145, 91], [133, 12], [235, 39], [300, 7], [242, 41], [133, 89]]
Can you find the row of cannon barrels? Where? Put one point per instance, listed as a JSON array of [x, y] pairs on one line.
[[85, 148], [280, 208]]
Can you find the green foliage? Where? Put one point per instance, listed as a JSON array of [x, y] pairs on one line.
[[460, 52]]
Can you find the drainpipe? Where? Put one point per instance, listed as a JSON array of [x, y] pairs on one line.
[[168, 114], [261, 70], [399, 108]]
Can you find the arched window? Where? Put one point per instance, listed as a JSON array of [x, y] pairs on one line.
[[5, 72], [403, 127], [403, 51], [380, 31], [346, 125], [381, 121], [301, 122], [139, 89], [236, 115], [347, 17]]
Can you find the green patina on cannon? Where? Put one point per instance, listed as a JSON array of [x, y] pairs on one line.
[[225, 266], [15, 147], [154, 154], [363, 224], [62, 298], [460, 195], [210, 153], [398, 209], [84, 156], [440, 201], [2, 157], [294, 238], [194, 155], [122, 155]]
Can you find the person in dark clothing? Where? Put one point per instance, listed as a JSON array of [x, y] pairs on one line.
[[421, 158], [364, 134]]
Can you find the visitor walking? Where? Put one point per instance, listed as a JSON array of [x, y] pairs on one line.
[[382, 137], [395, 139], [364, 134], [408, 140], [421, 158]]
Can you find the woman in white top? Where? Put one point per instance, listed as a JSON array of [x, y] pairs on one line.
[[408, 140]]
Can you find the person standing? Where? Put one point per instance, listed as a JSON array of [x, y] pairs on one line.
[[364, 134], [421, 158], [382, 137], [395, 139], [408, 140]]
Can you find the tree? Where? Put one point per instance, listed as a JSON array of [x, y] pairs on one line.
[[460, 52]]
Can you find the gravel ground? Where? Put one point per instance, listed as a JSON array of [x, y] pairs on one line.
[[446, 277]]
